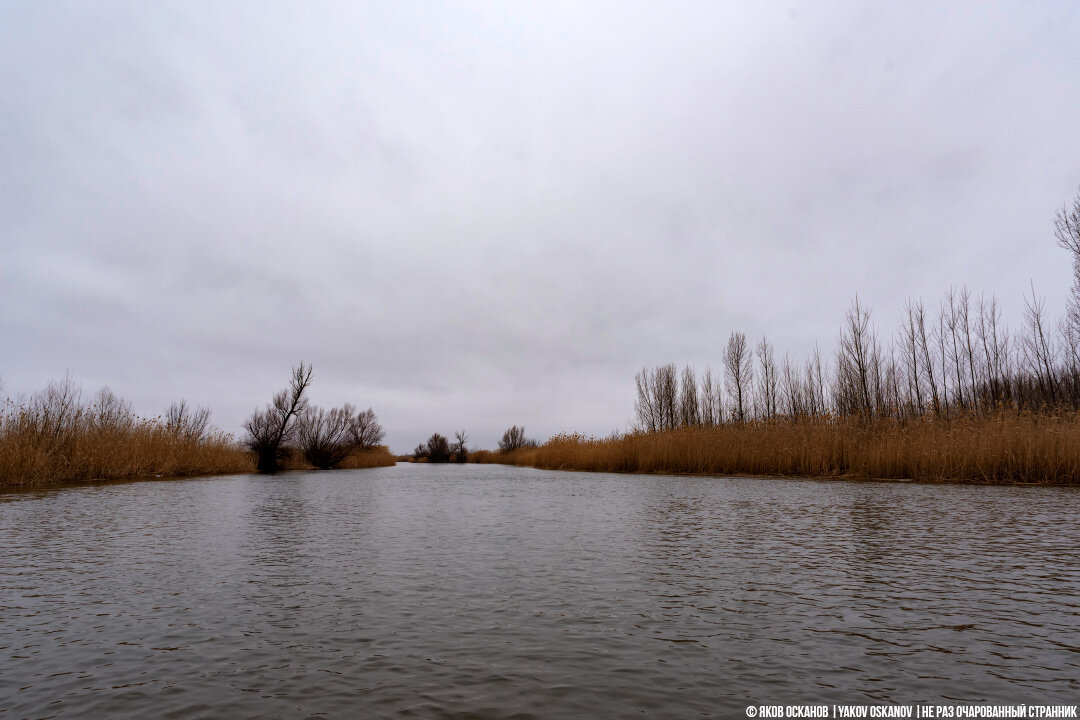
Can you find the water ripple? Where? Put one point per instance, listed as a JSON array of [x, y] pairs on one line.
[[484, 591]]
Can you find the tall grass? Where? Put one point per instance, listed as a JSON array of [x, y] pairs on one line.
[[378, 456], [55, 437], [1003, 448]]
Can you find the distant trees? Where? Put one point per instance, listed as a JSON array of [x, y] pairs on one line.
[[366, 431], [657, 404], [768, 380], [323, 438], [270, 429], [954, 360], [514, 439], [738, 373], [460, 449], [437, 449], [187, 422]]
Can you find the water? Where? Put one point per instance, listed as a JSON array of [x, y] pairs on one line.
[[488, 591]]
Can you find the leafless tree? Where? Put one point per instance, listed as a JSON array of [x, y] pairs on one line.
[[54, 414], [926, 353], [1038, 350], [1067, 232], [768, 380], [738, 373], [460, 448], [975, 371], [915, 371], [666, 395], [792, 391], [437, 449], [711, 401], [940, 337], [108, 412], [814, 384], [658, 398], [184, 421], [994, 342], [514, 439], [325, 437], [367, 432], [857, 364], [270, 430], [689, 410], [950, 311]]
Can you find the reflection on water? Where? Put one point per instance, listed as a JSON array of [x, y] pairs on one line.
[[489, 591]]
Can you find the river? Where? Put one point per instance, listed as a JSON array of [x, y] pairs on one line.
[[493, 591]]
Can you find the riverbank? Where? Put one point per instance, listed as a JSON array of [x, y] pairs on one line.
[[143, 450], [1000, 449], [203, 462]]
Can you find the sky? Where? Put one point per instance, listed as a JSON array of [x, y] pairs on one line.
[[473, 215]]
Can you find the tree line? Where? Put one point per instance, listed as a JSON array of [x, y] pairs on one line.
[[439, 449], [957, 358]]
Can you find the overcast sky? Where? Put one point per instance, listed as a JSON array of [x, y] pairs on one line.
[[474, 215]]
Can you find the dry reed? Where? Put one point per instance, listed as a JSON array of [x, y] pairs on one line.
[[1002, 448], [379, 456], [144, 448]]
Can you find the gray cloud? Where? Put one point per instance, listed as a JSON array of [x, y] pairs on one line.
[[474, 215]]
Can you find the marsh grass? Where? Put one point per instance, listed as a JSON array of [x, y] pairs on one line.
[[378, 456], [1002, 448], [85, 452]]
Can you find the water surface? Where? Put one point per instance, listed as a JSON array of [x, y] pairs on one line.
[[490, 591]]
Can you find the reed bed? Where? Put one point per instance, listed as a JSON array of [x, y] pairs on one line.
[[143, 448], [1000, 449], [379, 456]]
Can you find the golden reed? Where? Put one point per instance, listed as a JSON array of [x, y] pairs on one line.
[[143, 448], [55, 438], [1001, 448], [379, 456]]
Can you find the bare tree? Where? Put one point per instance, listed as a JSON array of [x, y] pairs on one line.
[[367, 432], [1038, 349], [995, 348], [792, 395], [647, 413], [666, 395], [271, 429], [768, 380], [971, 358], [108, 412], [514, 439], [657, 405], [187, 422], [689, 410], [326, 437], [857, 363], [1067, 232], [711, 401], [815, 385], [909, 343], [738, 373], [55, 413], [437, 449], [460, 448], [950, 312]]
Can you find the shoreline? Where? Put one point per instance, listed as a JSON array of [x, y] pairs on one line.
[[847, 477], [99, 482]]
